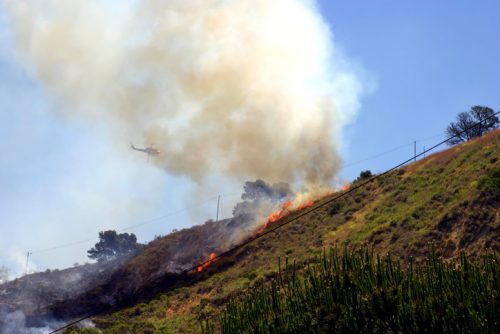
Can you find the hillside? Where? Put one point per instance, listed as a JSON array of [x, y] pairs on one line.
[[38, 290], [449, 199]]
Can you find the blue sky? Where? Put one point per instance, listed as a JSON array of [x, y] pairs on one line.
[[426, 61], [430, 60]]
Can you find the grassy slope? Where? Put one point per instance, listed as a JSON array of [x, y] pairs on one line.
[[438, 199]]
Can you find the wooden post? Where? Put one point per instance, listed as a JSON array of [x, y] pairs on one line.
[[217, 215], [27, 261], [415, 151]]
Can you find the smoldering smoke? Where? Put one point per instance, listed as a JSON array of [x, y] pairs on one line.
[[245, 89], [15, 323]]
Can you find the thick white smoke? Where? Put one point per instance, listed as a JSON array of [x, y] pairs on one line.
[[245, 89]]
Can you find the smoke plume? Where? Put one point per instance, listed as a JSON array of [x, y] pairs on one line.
[[244, 89]]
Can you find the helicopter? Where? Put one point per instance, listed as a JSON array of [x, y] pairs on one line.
[[151, 151]]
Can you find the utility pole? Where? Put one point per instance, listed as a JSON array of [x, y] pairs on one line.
[[218, 202], [415, 150], [27, 261], [424, 152]]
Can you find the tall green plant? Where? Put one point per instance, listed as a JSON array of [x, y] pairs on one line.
[[355, 292]]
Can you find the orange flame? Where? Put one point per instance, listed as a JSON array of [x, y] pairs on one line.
[[305, 205], [345, 187], [275, 216], [205, 264], [284, 211]]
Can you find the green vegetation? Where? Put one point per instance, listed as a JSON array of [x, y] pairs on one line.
[[490, 183], [356, 292], [445, 199]]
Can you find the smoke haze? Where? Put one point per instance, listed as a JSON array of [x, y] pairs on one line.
[[243, 89]]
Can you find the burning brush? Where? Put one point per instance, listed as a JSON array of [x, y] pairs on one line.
[[284, 211], [211, 259], [262, 205]]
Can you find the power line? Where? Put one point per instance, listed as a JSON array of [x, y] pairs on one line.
[[301, 214], [378, 155], [134, 226], [79, 242], [74, 243], [429, 138]]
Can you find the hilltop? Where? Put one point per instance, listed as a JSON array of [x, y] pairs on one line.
[[449, 199]]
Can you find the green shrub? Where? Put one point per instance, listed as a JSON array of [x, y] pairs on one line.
[[120, 328], [490, 183]]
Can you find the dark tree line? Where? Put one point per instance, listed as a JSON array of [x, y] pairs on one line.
[[465, 127]]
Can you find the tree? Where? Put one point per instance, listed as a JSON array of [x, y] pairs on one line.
[[465, 129], [259, 192], [112, 245], [364, 175]]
